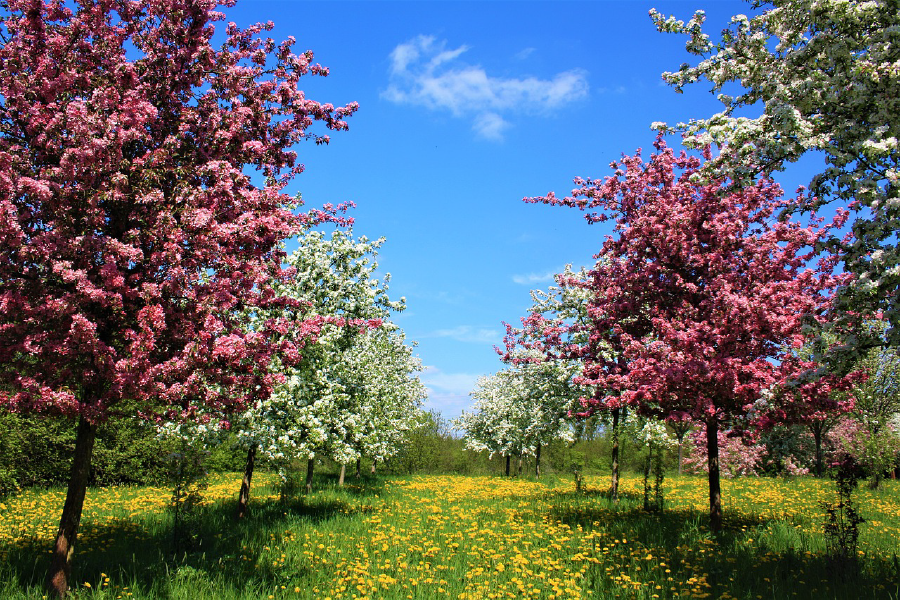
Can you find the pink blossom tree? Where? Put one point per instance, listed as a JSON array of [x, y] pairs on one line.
[[131, 232], [737, 456], [699, 292], [815, 399]]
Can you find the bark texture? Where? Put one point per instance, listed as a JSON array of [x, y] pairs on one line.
[[614, 478], [64, 548], [715, 492], [310, 466], [244, 496]]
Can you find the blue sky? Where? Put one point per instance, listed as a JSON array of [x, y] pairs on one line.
[[466, 108]]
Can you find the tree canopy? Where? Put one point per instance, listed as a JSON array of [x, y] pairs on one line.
[[825, 73], [132, 234], [699, 291]]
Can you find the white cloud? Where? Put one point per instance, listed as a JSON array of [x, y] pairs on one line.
[[490, 126], [424, 72], [525, 53], [448, 383], [532, 278], [468, 333], [448, 393]]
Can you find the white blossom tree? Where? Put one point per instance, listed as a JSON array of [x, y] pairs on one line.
[[559, 325], [378, 373], [520, 409], [825, 72], [877, 398], [316, 410]]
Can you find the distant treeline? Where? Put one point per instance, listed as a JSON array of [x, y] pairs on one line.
[[36, 452]]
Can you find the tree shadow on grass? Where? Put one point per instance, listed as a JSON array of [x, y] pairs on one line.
[[365, 485], [751, 557], [211, 553]]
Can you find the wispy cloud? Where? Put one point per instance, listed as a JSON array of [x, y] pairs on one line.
[[490, 126], [525, 53], [448, 392], [424, 72], [468, 333], [532, 278], [448, 383]]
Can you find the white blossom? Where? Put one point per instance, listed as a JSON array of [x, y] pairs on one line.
[[521, 408], [827, 76]]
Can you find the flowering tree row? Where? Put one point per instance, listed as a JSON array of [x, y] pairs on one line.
[[520, 409], [700, 300], [353, 390]]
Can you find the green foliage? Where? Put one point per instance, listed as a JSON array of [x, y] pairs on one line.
[[9, 442], [8, 483], [229, 456], [880, 453], [787, 445], [37, 451], [843, 519], [430, 447], [188, 476]]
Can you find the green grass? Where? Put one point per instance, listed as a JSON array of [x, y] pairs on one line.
[[457, 537]]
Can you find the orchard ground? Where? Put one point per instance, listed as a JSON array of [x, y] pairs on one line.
[[458, 537]]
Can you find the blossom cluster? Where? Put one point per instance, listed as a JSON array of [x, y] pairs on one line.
[[825, 73], [521, 408], [132, 235]]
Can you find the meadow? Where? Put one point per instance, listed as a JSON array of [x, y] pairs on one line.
[[457, 537]]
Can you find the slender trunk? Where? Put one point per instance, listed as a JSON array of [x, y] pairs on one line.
[[358, 468], [537, 461], [817, 434], [508, 457], [680, 453], [310, 465], [647, 477], [614, 482], [243, 506], [374, 462], [519, 466], [715, 492], [876, 480], [61, 562], [341, 477]]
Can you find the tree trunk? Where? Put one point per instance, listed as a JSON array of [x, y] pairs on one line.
[[647, 477], [61, 563], [680, 453], [519, 466], [358, 468], [508, 457], [243, 506], [341, 477], [374, 462], [817, 434], [537, 461], [614, 481], [715, 492], [876, 480], [310, 466]]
